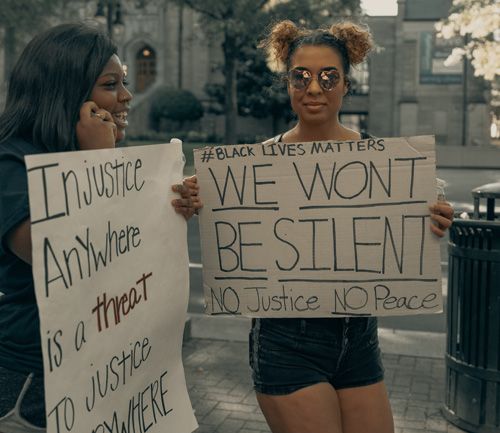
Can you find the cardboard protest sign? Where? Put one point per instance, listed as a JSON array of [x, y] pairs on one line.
[[110, 266], [319, 229]]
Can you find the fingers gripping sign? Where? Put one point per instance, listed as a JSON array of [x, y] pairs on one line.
[[194, 192], [442, 217], [190, 202]]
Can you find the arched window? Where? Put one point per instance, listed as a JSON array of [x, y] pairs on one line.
[[145, 67]]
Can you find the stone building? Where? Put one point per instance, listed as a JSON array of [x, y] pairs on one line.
[[403, 89], [411, 92]]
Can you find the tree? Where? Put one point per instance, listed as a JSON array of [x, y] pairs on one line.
[[175, 104], [260, 92], [314, 13], [235, 22], [23, 17], [478, 21]]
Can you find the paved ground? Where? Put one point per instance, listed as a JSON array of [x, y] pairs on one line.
[[220, 386]]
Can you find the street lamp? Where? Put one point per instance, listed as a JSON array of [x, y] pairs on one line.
[[109, 13]]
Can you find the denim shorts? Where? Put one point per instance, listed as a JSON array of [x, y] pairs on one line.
[[22, 402], [289, 354]]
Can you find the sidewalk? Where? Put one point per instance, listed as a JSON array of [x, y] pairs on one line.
[[220, 386]]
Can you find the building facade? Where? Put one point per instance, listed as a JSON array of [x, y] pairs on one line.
[[411, 92]]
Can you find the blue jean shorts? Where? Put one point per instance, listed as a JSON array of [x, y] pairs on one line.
[[289, 354]]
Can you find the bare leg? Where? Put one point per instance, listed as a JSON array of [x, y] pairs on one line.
[[366, 409], [314, 409]]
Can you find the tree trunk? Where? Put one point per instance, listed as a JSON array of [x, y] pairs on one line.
[[10, 50], [231, 100], [276, 119]]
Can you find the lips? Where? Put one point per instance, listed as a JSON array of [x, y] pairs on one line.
[[121, 119], [314, 107]]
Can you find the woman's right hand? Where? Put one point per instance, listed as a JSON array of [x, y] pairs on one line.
[[95, 129]]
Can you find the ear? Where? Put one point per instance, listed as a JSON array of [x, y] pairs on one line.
[[347, 85]]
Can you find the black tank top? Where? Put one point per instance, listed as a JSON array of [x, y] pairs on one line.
[[279, 137]]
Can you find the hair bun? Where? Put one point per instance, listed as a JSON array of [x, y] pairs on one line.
[[277, 44], [357, 39]]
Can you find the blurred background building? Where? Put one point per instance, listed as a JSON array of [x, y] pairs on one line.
[[403, 89], [407, 90]]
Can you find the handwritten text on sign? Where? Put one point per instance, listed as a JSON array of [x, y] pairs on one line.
[[319, 229], [110, 266]]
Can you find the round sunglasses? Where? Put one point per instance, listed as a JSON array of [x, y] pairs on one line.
[[300, 79]]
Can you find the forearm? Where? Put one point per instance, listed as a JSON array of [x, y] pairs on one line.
[[19, 240]]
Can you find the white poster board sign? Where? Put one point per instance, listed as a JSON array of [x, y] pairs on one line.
[[110, 265], [319, 229]]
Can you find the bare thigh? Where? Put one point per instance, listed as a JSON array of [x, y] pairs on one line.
[[314, 409], [366, 409]]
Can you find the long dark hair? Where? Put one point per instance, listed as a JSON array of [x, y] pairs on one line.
[[51, 80]]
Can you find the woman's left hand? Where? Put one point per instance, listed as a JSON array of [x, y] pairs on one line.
[[442, 217], [190, 202]]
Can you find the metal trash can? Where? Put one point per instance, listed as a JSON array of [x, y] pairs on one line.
[[472, 394]]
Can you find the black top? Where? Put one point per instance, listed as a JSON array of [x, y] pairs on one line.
[[279, 137], [20, 348]]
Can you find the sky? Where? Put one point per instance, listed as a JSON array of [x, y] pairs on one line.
[[380, 7]]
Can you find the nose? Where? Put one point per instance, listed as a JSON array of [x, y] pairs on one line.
[[125, 95], [314, 87]]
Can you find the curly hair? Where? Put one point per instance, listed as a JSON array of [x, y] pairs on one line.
[[352, 41]]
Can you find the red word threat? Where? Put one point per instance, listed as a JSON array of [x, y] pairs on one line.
[[117, 307]]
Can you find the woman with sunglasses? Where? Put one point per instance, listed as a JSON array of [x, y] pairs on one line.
[[322, 375]]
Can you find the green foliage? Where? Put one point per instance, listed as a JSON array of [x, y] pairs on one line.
[[27, 15], [236, 20], [215, 93], [261, 93], [175, 104], [234, 23], [314, 13], [20, 20]]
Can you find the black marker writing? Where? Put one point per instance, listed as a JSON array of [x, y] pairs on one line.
[[145, 409], [86, 258], [116, 372], [103, 180], [231, 256]]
